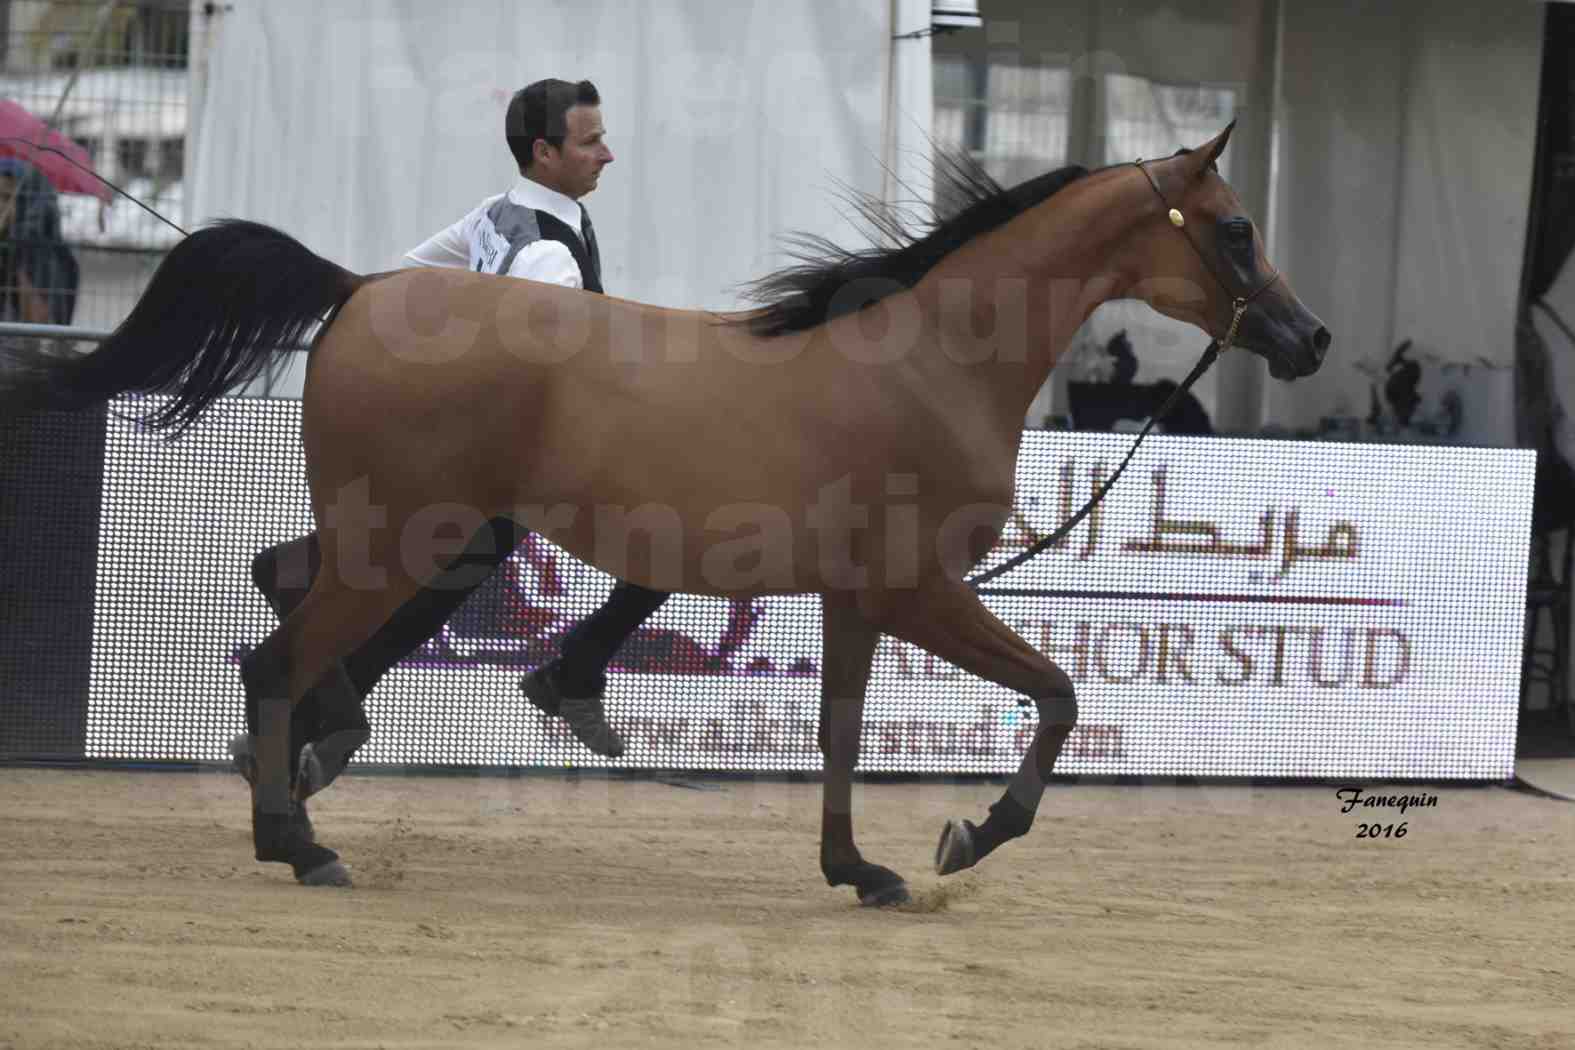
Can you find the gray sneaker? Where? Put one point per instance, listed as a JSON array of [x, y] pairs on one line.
[[585, 716]]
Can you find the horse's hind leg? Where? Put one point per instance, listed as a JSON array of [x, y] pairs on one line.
[[281, 830], [949, 620], [332, 620], [849, 649], [329, 724]]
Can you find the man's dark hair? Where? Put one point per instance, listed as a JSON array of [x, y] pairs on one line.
[[540, 111]]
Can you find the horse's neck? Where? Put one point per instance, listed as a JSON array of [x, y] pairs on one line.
[[1007, 304]]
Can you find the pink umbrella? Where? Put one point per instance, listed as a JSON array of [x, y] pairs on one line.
[[20, 131]]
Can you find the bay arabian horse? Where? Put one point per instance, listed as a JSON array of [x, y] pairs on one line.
[[855, 437]]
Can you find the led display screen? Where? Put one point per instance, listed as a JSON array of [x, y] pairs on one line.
[[1233, 608]]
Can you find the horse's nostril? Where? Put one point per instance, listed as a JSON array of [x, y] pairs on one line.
[[1321, 339]]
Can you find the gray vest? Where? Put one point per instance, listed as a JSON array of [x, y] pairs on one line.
[[520, 226]]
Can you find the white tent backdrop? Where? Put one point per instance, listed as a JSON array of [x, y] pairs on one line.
[[362, 128], [1407, 137]]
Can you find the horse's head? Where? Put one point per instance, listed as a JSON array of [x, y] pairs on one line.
[[1209, 257]]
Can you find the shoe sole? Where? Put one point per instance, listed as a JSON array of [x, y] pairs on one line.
[[549, 701]]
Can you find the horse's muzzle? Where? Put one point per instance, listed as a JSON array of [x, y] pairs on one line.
[[1305, 359]]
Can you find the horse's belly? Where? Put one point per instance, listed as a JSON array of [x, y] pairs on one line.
[[721, 523], [681, 529]]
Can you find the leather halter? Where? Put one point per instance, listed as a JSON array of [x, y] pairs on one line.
[[1210, 355], [1238, 304]]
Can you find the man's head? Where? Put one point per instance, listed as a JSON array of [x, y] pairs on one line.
[[555, 132]]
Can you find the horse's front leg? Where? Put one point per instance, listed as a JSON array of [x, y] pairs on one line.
[[848, 650], [949, 620]]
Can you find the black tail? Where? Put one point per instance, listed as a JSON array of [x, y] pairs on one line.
[[222, 307]]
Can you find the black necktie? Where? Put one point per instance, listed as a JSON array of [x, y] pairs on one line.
[[588, 232]]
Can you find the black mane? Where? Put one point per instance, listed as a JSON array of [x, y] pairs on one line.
[[830, 281]]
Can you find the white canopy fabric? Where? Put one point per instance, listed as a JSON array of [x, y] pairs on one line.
[[1407, 134], [362, 128]]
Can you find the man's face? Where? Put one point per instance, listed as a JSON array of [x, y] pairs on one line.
[[574, 169]]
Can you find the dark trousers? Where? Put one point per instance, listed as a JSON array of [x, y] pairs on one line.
[[581, 669], [285, 572]]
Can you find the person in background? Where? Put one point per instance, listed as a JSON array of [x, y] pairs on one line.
[[38, 274]]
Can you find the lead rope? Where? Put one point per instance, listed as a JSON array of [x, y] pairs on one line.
[[1210, 355], [1208, 358]]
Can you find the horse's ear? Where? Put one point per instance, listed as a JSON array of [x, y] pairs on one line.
[[1210, 152]]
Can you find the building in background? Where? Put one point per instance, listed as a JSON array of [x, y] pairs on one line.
[[113, 78]]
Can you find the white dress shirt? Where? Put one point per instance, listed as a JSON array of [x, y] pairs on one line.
[[473, 242]]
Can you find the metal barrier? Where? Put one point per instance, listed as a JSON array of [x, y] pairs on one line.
[[53, 331]]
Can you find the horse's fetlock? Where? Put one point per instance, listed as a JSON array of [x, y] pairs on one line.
[[1010, 817], [837, 868]]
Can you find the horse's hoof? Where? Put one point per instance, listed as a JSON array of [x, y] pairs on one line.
[[876, 886], [288, 841], [887, 896], [330, 873], [955, 851]]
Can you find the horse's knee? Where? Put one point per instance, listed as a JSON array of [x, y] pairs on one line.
[[1057, 701]]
